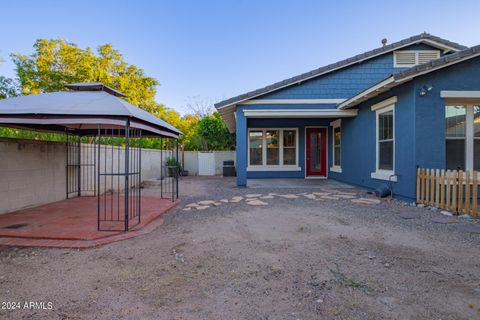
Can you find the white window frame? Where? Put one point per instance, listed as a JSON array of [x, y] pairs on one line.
[[416, 52], [280, 166], [336, 124], [380, 108], [469, 133]]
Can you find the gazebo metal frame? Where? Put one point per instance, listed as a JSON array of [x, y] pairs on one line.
[[103, 149]]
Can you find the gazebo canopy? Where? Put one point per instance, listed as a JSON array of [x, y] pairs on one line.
[[81, 111]]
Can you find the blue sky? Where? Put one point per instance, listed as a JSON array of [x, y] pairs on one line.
[[218, 49]]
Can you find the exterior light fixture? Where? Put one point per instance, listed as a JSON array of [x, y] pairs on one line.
[[424, 90]]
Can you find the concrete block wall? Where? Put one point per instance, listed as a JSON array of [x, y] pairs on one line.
[[31, 173]]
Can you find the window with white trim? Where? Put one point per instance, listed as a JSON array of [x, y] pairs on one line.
[[410, 58], [255, 147], [289, 147], [273, 149], [385, 140], [462, 137], [337, 135], [336, 146]]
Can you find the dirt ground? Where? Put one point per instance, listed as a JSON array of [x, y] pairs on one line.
[[295, 258]]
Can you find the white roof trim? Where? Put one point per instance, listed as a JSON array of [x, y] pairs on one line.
[[460, 94], [369, 91], [292, 101], [337, 123], [299, 113], [384, 103]]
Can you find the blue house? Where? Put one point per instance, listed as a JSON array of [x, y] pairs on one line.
[[368, 120]]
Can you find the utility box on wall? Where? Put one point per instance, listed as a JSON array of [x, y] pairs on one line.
[[206, 164]]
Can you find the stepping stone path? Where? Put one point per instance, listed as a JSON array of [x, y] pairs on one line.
[[236, 199], [255, 199], [321, 193], [267, 197], [257, 203], [366, 201], [444, 220], [345, 196], [329, 198], [206, 202], [288, 196]]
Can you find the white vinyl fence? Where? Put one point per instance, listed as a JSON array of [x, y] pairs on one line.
[[191, 161]]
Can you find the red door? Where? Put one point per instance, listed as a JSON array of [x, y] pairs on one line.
[[316, 152]]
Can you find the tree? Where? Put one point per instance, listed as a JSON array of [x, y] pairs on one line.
[[214, 134], [8, 88], [56, 62], [199, 106]]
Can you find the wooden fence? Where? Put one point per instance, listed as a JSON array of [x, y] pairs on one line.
[[451, 190]]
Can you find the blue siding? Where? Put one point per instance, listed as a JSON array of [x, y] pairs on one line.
[[430, 109], [419, 129], [241, 136], [346, 82], [419, 122], [359, 145], [340, 84]]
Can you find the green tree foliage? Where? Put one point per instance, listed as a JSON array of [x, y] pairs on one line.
[[8, 88], [214, 134], [56, 62]]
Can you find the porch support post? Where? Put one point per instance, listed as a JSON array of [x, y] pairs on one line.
[[241, 153]]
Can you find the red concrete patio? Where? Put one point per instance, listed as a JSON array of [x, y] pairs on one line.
[[73, 223]]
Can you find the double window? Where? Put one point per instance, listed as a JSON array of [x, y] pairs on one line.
[[272, 148], [462, 134]]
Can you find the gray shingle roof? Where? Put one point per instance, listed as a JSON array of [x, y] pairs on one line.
[[339, 64]]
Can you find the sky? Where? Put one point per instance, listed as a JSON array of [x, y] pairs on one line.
[[212, 50]]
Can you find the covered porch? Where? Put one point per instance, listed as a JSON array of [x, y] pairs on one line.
[[282, 138]]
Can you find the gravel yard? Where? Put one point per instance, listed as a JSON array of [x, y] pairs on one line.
[[300, 253]]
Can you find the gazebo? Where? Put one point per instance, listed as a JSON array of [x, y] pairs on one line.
[[103, 136]]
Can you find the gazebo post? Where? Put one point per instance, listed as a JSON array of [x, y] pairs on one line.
[[79, 166], [98, 175], [177, 171], [140, 177], [66, 162], [161, 167], [127, 167]]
